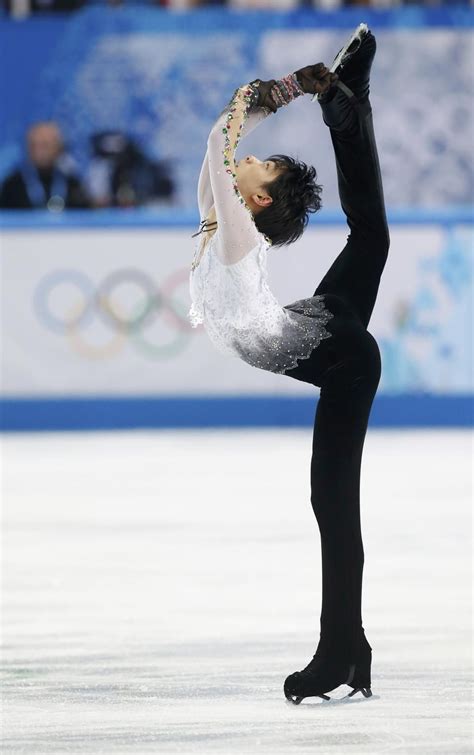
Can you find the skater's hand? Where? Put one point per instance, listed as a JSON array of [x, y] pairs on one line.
[[324, 79], [264, 97], [316, 79]]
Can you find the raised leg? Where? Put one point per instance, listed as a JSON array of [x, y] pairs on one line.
[[355, 274]]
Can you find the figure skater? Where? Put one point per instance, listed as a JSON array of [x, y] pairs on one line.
[[250, 205]]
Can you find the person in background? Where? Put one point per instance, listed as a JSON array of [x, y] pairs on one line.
[[45, 179], [22, 8], [121, 175]]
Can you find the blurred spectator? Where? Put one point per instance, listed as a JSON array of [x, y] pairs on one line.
[[59, 5], [122, 175], [45, 179], [24, 7]]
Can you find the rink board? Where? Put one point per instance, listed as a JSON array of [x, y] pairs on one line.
[[100, 315]]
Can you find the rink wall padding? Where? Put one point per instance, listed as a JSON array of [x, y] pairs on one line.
[[94, 311], [75, 414]]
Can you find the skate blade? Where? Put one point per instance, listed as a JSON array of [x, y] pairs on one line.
[[296, 699], [366, 691], [352, 45]]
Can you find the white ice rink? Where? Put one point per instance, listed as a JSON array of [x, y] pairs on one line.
[[160, 586]]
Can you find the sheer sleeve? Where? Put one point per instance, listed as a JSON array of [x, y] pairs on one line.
[[204, 194], [236, 233]]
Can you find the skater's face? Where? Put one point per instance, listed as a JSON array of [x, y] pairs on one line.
[[252, 174]]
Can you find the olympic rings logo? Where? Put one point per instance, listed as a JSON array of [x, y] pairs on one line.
[[127, 301]]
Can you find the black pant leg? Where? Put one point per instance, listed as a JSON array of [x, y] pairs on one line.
[[340, 426], [347, 368], [355, 274]]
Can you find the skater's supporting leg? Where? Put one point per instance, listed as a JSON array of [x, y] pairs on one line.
[[347, 367], [338, 439]]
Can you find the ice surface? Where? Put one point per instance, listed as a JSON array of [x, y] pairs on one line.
[[160, 586]]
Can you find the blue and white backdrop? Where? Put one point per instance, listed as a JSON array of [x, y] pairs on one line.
[[163, 77], [94, 304]]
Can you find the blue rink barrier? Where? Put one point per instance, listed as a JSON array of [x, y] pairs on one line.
[[125, 413], [144, 217], [62, 413]]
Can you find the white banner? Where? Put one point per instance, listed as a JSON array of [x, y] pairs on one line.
[[104, 311]]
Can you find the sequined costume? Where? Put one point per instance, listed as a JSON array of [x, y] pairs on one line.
[[228, 283], [344, 361]]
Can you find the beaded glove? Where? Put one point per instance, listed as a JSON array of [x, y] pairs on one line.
[[275, 93], [315, 79]]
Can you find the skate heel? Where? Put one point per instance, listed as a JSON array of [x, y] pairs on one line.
[[366, 691], [360, 673]]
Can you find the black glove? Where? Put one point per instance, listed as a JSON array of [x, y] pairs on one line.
[[264, 98], [315, 79]]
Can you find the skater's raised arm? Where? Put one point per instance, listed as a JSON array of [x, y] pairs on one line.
[[250, 104], [205, 198], [254, 200], [237, 231]]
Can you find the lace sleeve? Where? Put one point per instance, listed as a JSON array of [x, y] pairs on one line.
[[204, 193], [236, 233]]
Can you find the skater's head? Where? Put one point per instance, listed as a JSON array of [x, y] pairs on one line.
[[281, 192]]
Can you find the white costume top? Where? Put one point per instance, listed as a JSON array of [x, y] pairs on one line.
[[228, 281]]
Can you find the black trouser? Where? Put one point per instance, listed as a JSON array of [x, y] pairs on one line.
[[347, 367]]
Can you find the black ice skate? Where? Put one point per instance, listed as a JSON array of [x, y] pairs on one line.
[[323, 674], [351, 91], [347, 52], [353, 68]]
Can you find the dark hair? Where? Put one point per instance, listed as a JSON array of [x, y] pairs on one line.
[[295, 194]]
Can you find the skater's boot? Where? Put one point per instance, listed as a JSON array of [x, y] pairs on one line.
[[355, 73], [327, 671], [352, 65], [348, 98], [361, 680]]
